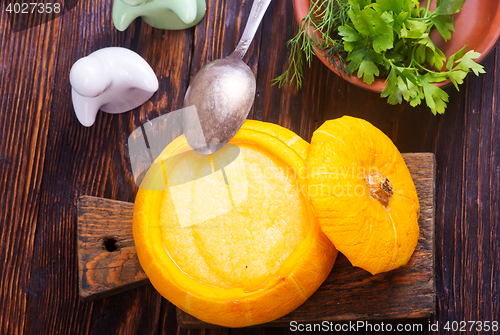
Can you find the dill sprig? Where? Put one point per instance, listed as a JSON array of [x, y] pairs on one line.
[[317, 33]]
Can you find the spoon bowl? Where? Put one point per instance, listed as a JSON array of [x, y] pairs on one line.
[[222, 92]]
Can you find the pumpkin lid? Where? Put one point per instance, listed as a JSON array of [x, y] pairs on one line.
[[363, 194]]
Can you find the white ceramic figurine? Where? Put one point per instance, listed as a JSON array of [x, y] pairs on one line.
[[113, 79]]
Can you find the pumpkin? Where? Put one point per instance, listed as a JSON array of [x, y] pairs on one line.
[[363, 194], [231, 238]]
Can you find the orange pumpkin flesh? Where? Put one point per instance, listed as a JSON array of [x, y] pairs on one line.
[[240, 260], [363, 194]]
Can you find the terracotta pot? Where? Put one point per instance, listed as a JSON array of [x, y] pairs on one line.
[[477, 25]]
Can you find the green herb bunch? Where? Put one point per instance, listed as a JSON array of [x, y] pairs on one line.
[[384, 38]]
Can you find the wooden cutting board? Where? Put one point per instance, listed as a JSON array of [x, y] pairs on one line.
[[108, 265]]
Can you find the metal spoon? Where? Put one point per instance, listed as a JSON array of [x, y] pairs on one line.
[[222, 92]]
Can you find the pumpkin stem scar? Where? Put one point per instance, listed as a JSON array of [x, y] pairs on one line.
[[380, 187]]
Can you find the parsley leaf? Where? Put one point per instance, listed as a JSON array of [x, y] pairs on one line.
[[435, 97], [416, 28], [411, 92], [456, 55], [370, 23], [444, 24], [395, 6], [392, 90], [349, 34], [457, 77], [466, 63], [368, 70], [448, 7]]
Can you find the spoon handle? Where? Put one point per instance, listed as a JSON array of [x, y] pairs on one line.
[[259, 7]]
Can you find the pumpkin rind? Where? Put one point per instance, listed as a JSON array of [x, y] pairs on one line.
[[299, 276], [346, 158]]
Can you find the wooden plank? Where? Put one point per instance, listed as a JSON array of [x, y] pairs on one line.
[[107, 260], [27, 66], [349, 293]]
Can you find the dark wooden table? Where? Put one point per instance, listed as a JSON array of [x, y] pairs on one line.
[[48, 160]]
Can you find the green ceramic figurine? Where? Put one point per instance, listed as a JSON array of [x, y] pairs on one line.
[[161, 14]]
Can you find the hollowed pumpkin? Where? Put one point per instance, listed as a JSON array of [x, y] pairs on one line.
[[363, 194], [232, 239]]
